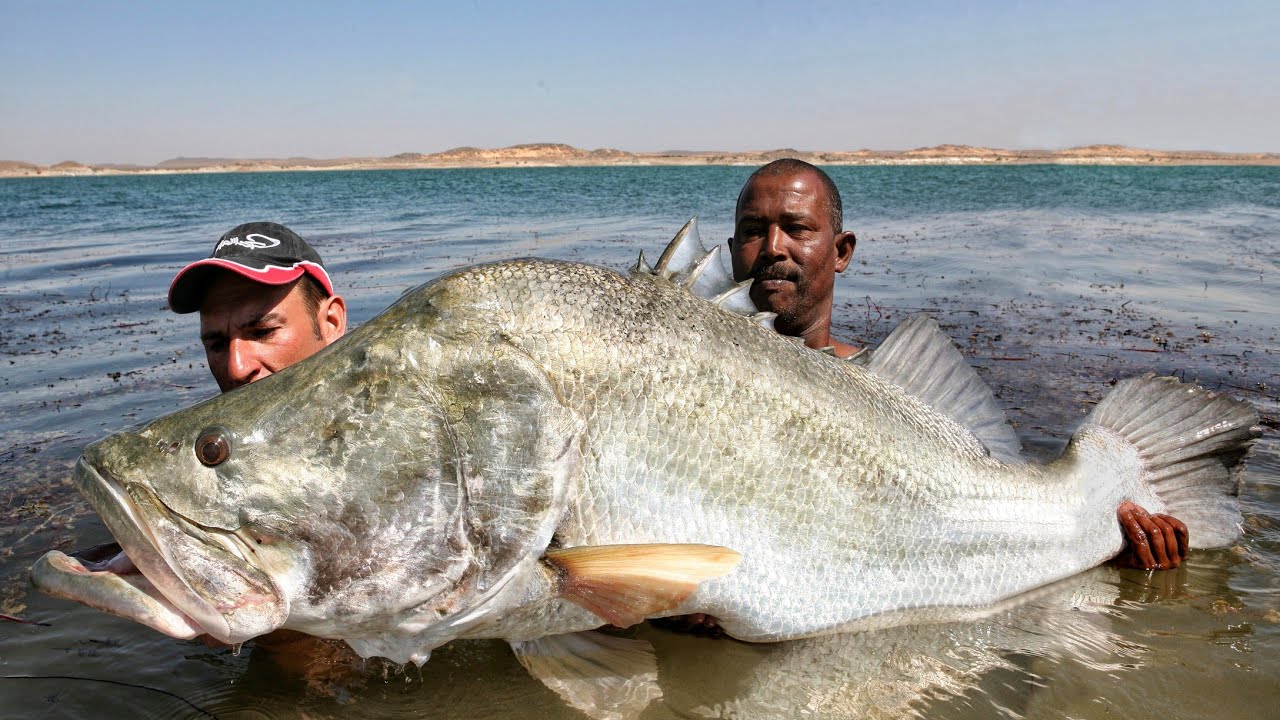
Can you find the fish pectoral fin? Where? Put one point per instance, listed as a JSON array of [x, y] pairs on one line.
[[624, 584], [604, 676]]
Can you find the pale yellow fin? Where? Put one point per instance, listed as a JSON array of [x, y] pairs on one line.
[[624, 584], [606, 677]]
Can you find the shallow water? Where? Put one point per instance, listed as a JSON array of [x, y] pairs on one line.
[[1054, 280]]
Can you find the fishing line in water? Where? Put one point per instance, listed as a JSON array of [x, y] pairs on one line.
[[24, 621], [190, 704]]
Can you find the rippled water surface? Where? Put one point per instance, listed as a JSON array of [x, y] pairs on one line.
[[1053, 280]]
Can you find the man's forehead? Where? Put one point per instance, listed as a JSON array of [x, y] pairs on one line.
[[233, 298], [794, 193]]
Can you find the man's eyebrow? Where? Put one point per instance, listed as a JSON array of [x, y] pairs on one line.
[[796, 216], [784, 217], [265, 318]]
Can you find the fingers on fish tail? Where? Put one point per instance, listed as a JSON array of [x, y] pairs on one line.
[[624, 584], [1191, 443]]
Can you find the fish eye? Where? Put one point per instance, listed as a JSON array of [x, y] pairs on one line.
[[213, 446]]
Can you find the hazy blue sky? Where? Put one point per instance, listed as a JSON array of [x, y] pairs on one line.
[[141, 82]]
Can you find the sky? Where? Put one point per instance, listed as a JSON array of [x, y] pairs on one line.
[[141, 82]]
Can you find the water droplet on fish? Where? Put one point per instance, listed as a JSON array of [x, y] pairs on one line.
[[235, 649]]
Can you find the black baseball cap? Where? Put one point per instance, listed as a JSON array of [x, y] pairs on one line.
[[264, 252]]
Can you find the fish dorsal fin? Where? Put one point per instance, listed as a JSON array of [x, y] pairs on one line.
[[642, 266], [920, 358], [624, 584], [737, 299], [688, 263], [601, 675], [682, 253], [862, 357], [765, 319]]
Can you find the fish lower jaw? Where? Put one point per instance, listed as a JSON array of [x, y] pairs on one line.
[[165, 586], [130, 596]]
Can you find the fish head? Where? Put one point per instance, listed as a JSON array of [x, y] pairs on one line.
[[398, 476]]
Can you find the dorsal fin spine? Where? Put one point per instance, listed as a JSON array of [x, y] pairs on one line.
[[677, 247], [742, 287], [713, 255], [642, 266]]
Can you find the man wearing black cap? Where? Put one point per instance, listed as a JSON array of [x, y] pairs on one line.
[[265, 303]]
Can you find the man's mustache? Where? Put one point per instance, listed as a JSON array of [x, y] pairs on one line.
[[777, 271]]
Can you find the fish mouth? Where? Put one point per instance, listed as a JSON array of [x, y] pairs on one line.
[[128, 595], [146, 584]]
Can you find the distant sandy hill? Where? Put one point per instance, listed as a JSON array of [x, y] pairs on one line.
[[528, 154], [187, 163], [17, 166], [560, 154]]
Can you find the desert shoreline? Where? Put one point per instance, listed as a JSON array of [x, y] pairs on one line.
[[560, 155]]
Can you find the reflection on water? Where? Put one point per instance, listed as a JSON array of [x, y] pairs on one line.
[[1053, 280], [1109, 641]]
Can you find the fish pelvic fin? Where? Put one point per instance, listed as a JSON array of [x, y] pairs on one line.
[[624, 584], [606, 677], [920, 358], [688, 263], [1191, 443]]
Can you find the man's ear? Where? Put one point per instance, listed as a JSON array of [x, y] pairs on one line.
[[333, 318], [845, 243], [737, 264]]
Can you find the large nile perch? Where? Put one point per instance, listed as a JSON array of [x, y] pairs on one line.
[[530, 449]]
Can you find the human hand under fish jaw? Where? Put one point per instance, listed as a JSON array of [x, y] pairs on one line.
[[1153, 542], [700, 624]]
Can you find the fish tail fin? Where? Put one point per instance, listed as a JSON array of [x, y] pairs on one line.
[[1189, 445]]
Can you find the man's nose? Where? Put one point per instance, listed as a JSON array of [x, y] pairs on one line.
[[243, 364], [774, 246]]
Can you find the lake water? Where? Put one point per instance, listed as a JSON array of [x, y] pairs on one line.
[[1053, 280]]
